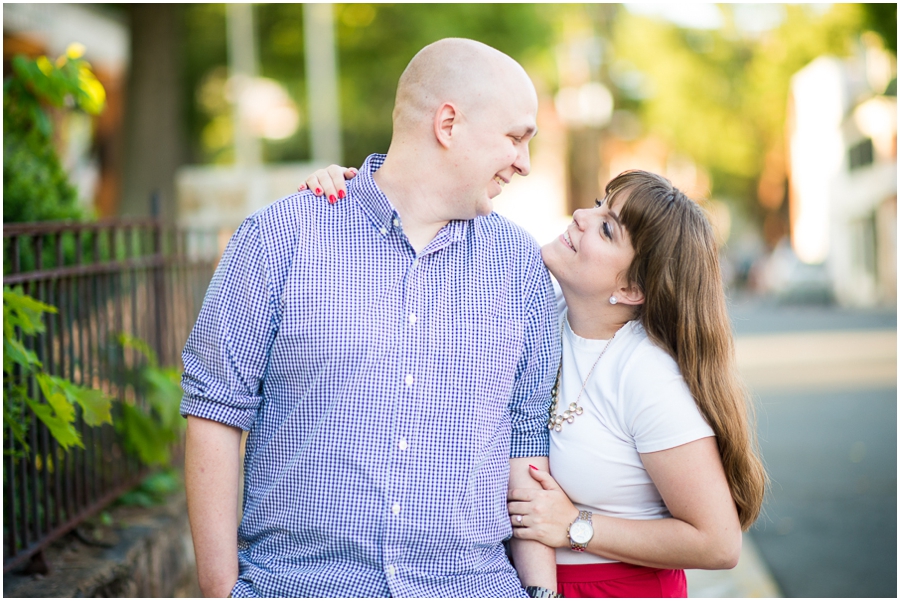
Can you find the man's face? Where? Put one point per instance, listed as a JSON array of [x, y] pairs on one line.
[[495, 148]]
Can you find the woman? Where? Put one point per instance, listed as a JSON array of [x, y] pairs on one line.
[[652, 450]]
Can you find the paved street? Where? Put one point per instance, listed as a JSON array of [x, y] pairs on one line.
[[826, 385]]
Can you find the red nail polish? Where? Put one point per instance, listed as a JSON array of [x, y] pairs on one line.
[[318, 190], [340, 193], [532, 467], [331, 198]]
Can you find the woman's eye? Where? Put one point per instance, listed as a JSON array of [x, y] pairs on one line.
[[606, 231], [598, 203]]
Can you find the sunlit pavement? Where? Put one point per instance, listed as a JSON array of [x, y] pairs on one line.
[[825, 383]]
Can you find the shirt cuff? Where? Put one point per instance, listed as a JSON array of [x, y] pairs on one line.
[[530, 444], [217, 412]]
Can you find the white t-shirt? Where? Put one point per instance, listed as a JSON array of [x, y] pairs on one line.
[[635, 402]]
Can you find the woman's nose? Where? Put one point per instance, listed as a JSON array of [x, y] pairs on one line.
[[580, 217]]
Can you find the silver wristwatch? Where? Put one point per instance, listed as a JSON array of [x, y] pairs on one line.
[[539, 592], [581, 531]]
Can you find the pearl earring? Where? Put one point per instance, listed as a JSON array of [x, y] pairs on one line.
[[613, 300]]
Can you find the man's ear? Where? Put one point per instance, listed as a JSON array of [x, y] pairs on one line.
[[446, 118], [630, 294]]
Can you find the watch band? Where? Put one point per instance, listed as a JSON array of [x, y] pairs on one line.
[[539, 592], [582, 516]]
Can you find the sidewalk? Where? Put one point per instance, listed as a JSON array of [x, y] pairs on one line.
[[801, 360], [750, 578]]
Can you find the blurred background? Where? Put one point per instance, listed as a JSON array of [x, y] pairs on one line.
[[779, 119]]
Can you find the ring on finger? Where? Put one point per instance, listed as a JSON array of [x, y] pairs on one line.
[[518, 519]]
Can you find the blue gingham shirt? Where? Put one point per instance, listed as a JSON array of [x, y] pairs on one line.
[[384, 392]]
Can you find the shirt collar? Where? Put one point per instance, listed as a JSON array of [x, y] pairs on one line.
[[381, 212], [369, 196]]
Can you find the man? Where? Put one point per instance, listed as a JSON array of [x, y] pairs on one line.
[[391, 356]]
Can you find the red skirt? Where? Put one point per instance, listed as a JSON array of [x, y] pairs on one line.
[[619, 580]]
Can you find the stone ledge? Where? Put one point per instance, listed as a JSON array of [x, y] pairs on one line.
[[152, 555]]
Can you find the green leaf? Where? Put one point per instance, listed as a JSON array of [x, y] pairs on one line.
[[14, 352], [58, 396], [61, 430], [144, 437], [164, 395], [12, 414], [23, 311], [137, 498], [95, 406], [139, 345]]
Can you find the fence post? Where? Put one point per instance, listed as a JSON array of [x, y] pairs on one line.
[[159, 281]]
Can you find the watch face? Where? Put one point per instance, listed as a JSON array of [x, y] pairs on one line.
[[581, 532]]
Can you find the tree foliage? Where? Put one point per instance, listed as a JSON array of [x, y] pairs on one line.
[[716, 96], [35, 186], [375, 42], [720, 96]]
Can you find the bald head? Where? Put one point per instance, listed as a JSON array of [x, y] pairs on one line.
[[465, 72]]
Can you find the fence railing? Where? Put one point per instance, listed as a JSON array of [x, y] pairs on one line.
[[139, 278]]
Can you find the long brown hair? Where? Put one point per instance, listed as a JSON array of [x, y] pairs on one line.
[[676, 265]]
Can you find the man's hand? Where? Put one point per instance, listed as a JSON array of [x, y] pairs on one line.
[[211, 474]]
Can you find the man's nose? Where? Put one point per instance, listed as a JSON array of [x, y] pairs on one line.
[[523, 162]]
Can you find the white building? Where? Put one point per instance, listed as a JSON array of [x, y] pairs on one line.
[[842, 139]]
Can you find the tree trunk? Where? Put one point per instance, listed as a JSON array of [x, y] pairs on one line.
[[154, 124]]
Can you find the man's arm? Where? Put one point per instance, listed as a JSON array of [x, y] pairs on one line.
[[211, 474], [535, 563]]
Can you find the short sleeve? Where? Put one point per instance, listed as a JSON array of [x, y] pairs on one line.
[[660, 411], [227, 352], [537, 368]]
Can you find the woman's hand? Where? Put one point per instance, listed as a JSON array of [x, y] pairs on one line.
[[329, 181], [541, 515]]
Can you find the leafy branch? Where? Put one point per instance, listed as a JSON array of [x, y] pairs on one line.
[[23, 316], [35, 185], [149, 434]]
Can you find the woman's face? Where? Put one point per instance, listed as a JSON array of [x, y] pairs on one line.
[[591, 258]]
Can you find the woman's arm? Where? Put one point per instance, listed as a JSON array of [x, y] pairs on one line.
[[703, 532]]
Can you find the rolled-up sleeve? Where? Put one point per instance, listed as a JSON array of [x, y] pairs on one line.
[[227, 352], [537, 368]]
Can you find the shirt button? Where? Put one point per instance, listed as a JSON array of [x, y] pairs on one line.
[[412, 318], [396, 223], [391, 570], [383, 231], [396, 509], [403, 444], [415, 262], [409, 380]]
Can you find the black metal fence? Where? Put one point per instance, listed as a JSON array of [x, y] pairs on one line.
[[134, 277]]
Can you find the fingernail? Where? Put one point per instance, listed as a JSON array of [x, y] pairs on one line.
[[318, 190], [332, 199], [302, 187], [340, 193], [532, 467]]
